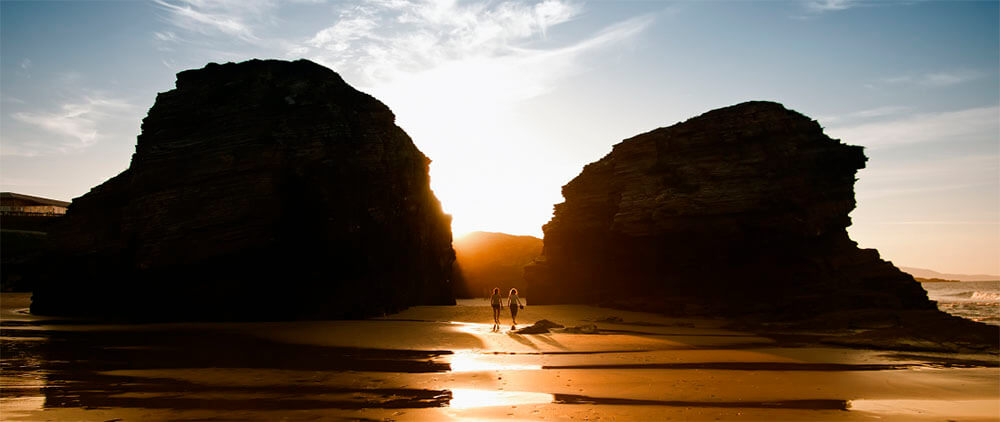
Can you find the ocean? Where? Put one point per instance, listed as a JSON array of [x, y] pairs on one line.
[[975, 300]]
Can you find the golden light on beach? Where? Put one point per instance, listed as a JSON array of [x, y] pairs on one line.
[[472, 361], [467, 398]]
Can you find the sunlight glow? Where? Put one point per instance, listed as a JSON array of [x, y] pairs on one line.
[[495, 168], [467, 398], [471, 361], [485, 171]]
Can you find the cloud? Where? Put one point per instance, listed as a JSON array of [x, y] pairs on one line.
[[870, 193], [880, 111], [820, 6], [890, 177], [76, 124], [25, 64], [165, 36], [383, 41], [865, 114], [414, 36], [935, 79], [954, 126], [942, 223], [229, 18]]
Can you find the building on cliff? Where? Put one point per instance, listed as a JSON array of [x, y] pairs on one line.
[[24, 223], [16, 204]]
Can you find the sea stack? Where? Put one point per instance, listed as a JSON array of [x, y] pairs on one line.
[[742, 210], [258, 190]]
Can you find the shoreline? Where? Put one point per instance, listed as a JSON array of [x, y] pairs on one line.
[[445, 362]]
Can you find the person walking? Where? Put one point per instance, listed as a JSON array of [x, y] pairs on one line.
[[496, 301], [514, 302]]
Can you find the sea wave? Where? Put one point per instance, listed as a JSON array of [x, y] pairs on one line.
[[977, 296], [991, 296]]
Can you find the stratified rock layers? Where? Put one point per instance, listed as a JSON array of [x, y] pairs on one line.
[[258, 190], [743, 209]]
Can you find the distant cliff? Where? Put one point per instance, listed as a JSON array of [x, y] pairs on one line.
[[258, 190], [742, 209], [921, 273], [488, 260]]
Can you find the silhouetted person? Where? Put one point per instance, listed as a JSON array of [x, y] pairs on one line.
[[496, 301], [514, 303]]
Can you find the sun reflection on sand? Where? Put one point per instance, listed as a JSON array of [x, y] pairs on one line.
[[470, 361], [11, 407], [468, 398], [472, 327]]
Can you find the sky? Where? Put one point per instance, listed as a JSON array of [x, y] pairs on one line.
[[510, 99]]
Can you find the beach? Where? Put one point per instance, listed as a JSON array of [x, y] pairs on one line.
[[446, 362]]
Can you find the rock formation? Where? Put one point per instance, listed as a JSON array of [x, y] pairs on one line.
[[741, 210], [258, 190]]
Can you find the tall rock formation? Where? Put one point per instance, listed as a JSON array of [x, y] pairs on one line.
[[741, 210], [258, 190]]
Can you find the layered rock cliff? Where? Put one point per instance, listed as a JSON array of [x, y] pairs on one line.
[[258, 190], [741, 210]]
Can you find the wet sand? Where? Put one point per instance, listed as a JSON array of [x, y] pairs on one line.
[[439, 363]]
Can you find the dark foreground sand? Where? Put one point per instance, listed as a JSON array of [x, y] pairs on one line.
[[435, 363]]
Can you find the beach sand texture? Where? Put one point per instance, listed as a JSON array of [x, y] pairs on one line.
[[446, 362]]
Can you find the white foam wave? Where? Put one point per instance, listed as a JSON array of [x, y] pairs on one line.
[[987, 296], [977, 296]]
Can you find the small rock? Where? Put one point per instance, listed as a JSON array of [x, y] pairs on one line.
[[540, 327]]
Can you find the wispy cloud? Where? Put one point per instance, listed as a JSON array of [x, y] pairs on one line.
[[942, 223], [886, 178], [165, 36], [865, 114], [382, 39], [935, 79], [954, 126], [869, 193], [228, 18], [820, 6], [76, 125]]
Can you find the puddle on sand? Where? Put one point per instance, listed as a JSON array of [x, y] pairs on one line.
[[19, 407], [470, 361], [809, 404], [744, 366], [468, 398]]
